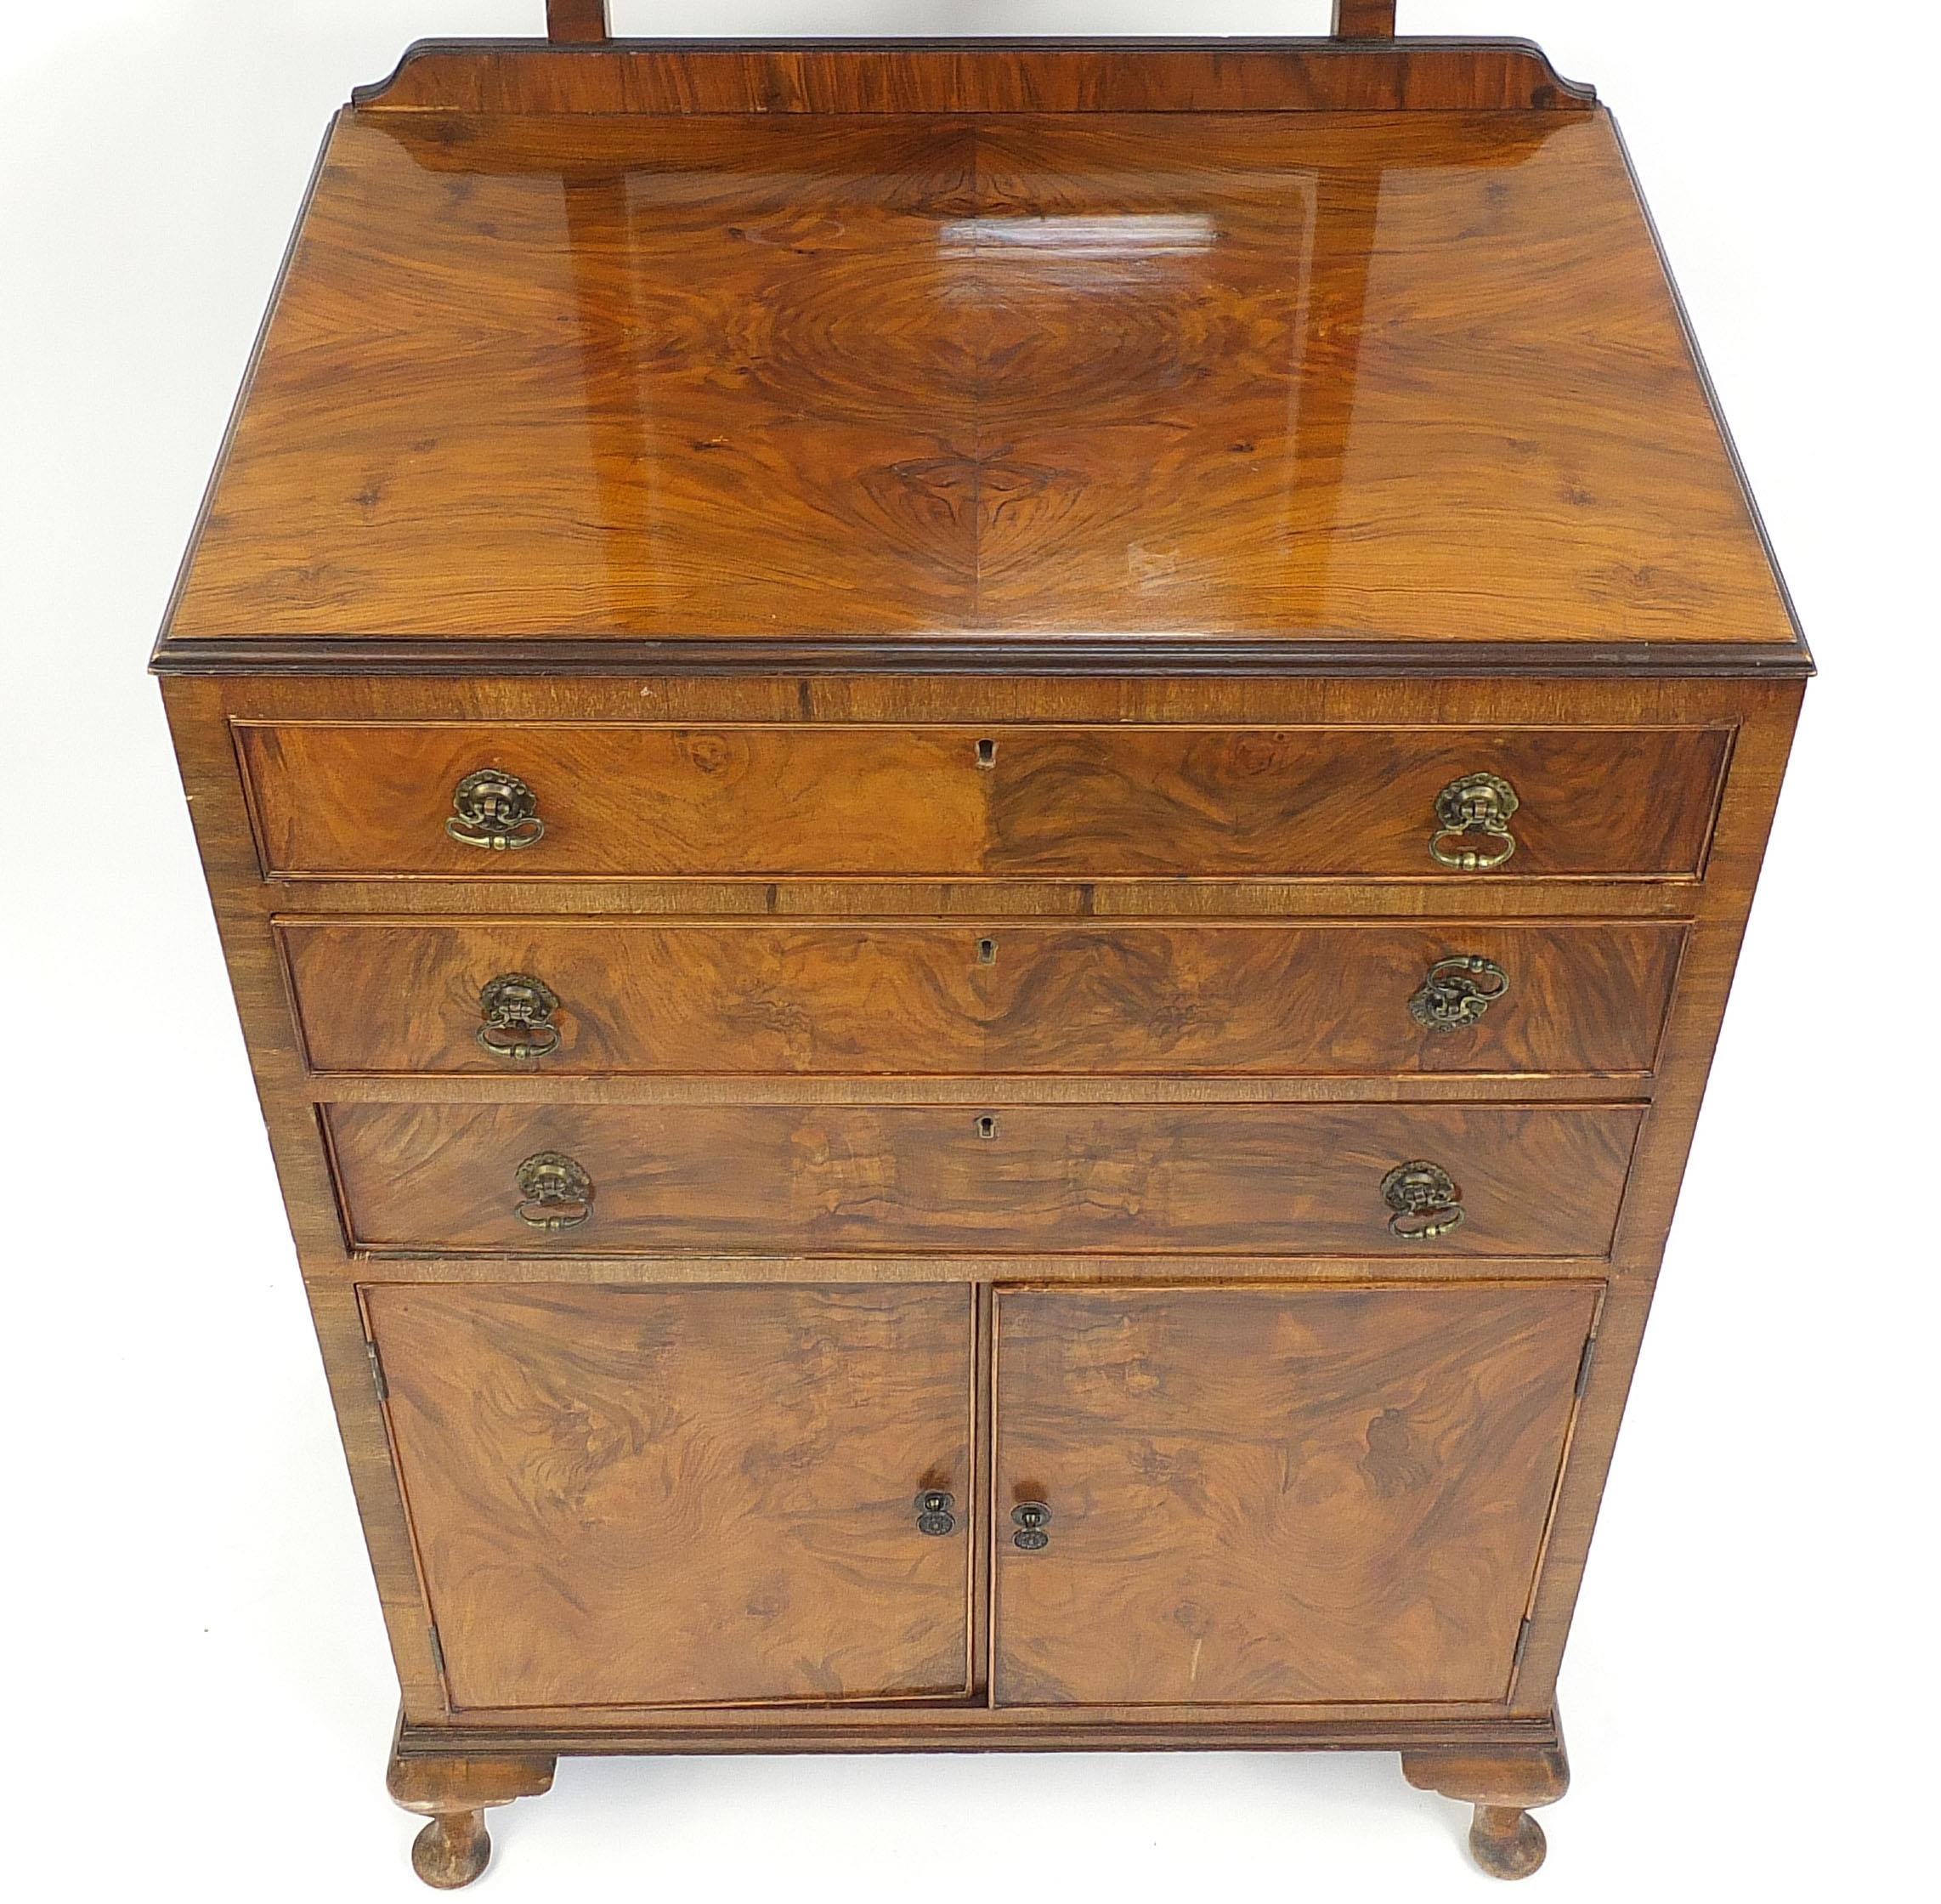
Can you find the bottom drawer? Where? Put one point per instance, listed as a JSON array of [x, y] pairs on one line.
[[1245, 1179]]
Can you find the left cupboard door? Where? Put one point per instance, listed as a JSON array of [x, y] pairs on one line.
[[692, 1495]]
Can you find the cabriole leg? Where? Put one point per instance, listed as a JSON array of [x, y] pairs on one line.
[[1504, 1839], [453, 1791], [452, 1849]]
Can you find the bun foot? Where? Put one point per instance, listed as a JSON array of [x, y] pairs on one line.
[[1506, 1842], [452, 1849], [1502, 1783], [453, 1789]]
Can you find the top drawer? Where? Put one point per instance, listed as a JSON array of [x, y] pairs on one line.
[[632, 802]]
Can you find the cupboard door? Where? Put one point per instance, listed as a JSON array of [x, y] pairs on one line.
[[660, 1497], [1260, 1496]]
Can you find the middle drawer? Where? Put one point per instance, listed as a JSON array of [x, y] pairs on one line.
[[602, 998]]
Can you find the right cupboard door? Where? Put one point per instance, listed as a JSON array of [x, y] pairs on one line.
[[1265, 1495]]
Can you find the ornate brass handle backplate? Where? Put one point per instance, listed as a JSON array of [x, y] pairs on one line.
[[494, 810], [1423, 1200], [1457, 991], [515, 1014], [554, 1192], [1473, 836]]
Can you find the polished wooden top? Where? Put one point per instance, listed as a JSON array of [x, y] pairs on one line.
[[1363, 386]]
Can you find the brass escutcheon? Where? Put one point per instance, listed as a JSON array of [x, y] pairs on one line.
[[1457, 991], [494, 810], [1425, 1200], [1473, 812], [555, 1193], [1031, 1519], [934, 1515], [513, 1003]]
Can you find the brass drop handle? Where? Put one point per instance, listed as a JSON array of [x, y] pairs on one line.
[[1474, 813], [1031, 1519], [554, 1192], [1423, 1200], [934, 1515], [1457, 991], [515, 1016], [494, 810]]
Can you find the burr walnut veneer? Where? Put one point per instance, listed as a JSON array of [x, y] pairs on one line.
[[981, 813]]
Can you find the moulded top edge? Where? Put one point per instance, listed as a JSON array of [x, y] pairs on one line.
[[1509, 661]]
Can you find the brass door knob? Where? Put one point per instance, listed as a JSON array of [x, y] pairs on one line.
[[1424, 1201], [515, 1016], [494, 810], [1474, 835], [554, 1192], [1458, 992], [1031, 1519], [934, 1515]]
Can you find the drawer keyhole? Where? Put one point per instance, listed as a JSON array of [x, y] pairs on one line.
[[986, 951], [987, 753], [986, 1127]]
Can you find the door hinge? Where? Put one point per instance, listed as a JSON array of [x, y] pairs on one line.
[[376, 1362], [1522, 1642], [437, 1647], [1584, 1363]]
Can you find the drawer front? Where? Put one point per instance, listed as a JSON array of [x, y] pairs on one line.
[[954, 1001], [1245, 1179], [1264, 1495], [637, 1497], [941, 803]]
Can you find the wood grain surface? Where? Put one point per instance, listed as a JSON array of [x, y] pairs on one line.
[[936, 1000], [1761, 713], [1364, 20], [1042, 802], [653, 1496], [1241, 1178], [1270, 1495], [981, 76], [731, 437], [576, 22], [1039, 379]]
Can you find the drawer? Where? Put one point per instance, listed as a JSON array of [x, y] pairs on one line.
[[759, 802], [598, 999], [1241, 1178]]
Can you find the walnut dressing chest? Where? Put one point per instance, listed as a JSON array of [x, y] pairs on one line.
[[981, 812]]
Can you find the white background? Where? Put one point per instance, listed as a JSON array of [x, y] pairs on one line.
[[195, 1679]]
